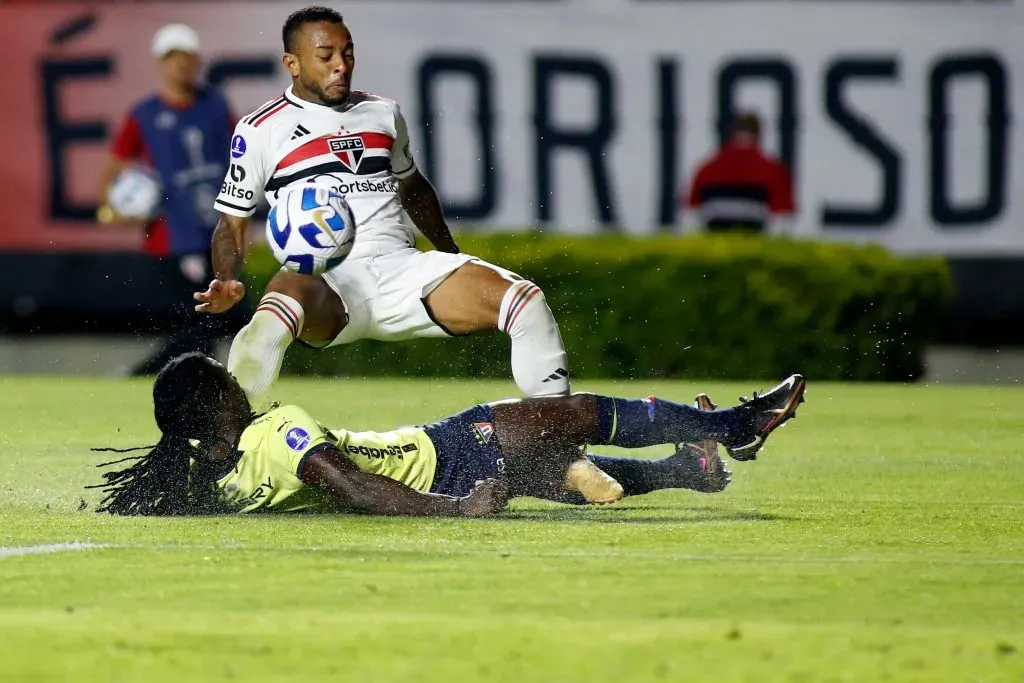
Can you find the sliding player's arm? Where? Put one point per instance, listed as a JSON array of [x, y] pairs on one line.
[[418, 197], [240, 193], [330, 471]]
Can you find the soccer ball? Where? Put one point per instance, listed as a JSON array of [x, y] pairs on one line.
[[311, 229], [135, 194]]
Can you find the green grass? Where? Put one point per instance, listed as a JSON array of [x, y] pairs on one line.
[[878, 538]]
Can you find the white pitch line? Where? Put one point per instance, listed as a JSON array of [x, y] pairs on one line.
[[540, 554], [46, 549]]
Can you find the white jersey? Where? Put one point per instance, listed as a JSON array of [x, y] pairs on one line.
[[360, 148]]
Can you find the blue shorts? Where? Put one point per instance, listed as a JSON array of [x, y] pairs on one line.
[[467, 451]]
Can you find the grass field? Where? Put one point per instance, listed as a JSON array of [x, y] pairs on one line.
[[879, 537]]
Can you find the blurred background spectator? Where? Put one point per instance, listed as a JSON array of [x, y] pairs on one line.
[[740, 187], [183, 132]]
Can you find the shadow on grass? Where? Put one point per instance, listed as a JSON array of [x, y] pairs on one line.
[[640, 515]]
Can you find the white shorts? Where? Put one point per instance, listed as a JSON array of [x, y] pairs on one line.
[[384, 292]]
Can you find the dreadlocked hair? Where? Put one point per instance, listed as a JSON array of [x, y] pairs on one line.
[[164, 481]]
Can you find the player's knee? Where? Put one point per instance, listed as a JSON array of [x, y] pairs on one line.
[[523, 307], [538, 297]]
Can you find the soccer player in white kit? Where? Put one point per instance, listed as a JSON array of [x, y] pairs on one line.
[[321, 131]]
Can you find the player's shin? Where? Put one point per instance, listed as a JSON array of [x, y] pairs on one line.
[[539, 363], [637, 477], [630, 423], [258, 349]]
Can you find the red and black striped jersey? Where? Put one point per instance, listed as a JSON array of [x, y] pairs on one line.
[[741, 187], [360, 148]]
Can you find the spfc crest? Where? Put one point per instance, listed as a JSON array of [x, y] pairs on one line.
[[484, 431], [349, 151]]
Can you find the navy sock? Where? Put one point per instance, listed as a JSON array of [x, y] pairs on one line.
[[636, 476], [636, 423]]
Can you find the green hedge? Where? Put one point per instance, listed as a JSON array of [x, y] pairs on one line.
[[706, 306]]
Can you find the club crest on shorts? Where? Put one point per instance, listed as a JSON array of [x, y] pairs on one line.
[[484, 431], [297, 438], [349, 151]]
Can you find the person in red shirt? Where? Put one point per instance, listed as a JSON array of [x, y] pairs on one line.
[[740, 187]]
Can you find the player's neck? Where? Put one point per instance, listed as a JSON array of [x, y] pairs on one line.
[[234, 425]]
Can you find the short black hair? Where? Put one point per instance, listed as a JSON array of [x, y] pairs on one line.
[[307, 15], [747, 122]]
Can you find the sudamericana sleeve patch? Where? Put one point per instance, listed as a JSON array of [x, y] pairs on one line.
[[297, 438]]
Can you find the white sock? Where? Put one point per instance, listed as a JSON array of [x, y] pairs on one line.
[[539, 363], [258, 349]]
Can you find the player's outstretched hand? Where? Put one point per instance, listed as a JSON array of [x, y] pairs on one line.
[[489, 496], [219, 296]]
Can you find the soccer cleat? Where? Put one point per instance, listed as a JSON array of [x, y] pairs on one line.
[[592, 482], [765, 414], [698, 465]]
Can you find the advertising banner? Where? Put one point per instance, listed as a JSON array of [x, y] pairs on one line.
[[898, 121]]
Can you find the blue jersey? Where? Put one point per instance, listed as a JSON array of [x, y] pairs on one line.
[[188, 148]]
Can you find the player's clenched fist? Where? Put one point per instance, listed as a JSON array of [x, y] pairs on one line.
[[219, 296], [489, 496]]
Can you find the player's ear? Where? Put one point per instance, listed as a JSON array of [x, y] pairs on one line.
[[291, 62]]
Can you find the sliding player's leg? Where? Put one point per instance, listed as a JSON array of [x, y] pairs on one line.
[[691, 467], [294, 307], [542, 441], [631, 423], [696, 465], [468, 449], [538, 434]]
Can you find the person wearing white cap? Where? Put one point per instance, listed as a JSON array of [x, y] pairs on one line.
[[163, 173]]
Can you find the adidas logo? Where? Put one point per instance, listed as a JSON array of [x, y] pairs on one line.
[[299, 131], [560, 373]]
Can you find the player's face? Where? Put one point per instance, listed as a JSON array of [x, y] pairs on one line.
[[179, 69], [232, 394], [325, 62]]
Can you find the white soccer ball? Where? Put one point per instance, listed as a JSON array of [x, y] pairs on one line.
[[136, 194], [311, 229]]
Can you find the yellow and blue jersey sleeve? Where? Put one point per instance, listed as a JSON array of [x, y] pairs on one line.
[[406, 455], [273, 450]]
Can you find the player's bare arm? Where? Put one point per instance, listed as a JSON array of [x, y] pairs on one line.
[[420, 201], [228, 256], [332, 472]]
